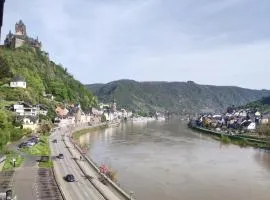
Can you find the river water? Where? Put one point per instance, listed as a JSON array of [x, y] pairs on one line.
[[168, 161]]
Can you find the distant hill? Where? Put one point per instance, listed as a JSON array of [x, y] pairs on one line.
[[41, 75], [177, 97], [262, 105]]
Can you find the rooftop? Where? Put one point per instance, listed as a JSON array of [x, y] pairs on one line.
[[18, 79]]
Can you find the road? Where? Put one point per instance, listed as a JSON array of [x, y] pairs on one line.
[[82, 188]]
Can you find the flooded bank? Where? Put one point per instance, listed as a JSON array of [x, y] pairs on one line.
[[165, 160]]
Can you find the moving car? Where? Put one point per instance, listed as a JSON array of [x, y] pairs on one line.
[[61, 156], [69, 178]]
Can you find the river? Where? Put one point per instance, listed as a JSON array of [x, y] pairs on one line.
[[168, 161]]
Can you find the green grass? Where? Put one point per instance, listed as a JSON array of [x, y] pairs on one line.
[[225, 140], [4, 103], [76, 135], [40, 149], [48, 164], [9, 161]]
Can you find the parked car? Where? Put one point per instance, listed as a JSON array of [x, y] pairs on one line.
[[23, 144], [61, 156], [35, 139], [30, 143], [54, 141], [69, 178]]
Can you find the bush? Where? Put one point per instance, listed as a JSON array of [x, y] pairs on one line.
[[103, 118], [225, 139], [264, 129]]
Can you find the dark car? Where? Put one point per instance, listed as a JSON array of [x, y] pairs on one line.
[[61, 156], [54, 141], [69, 178], [24, 144]]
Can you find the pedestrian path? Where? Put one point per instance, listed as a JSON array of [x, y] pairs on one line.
[[25, 179]]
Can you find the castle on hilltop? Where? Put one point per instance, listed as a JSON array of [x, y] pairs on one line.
[[20, 37]]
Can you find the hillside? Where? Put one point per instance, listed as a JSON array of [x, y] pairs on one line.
[[177, 97], [41, 75], [262, 105]]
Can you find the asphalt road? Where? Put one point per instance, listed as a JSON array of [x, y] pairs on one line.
[[81, 189]]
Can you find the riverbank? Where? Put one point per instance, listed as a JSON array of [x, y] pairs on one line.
[[90, 168], [241, 140], [77, 134]]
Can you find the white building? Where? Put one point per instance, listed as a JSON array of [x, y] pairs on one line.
[[42, 110], [30, 122], [24, 109], [19, 109], [18, 82]]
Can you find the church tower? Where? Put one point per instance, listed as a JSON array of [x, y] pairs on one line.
[[113, 106], [20, 28]]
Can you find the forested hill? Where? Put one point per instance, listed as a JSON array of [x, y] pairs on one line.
[[41, 75], [262, 105], [178, 97]]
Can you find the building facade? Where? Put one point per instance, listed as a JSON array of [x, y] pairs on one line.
[[17, 82]]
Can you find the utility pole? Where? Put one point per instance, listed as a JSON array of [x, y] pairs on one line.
[[2, 2]]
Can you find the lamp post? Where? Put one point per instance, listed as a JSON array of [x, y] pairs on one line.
[[131, 193], [2, 2]]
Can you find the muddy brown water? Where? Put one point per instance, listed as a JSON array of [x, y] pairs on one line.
[[168, 161]]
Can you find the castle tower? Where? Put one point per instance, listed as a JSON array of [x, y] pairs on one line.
[[20, 28]]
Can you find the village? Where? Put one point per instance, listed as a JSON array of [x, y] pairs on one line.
[[234, 121]]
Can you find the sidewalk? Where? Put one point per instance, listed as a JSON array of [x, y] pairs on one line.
[[25, 179]]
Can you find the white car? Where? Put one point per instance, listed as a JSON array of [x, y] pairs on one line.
[[30, 143]]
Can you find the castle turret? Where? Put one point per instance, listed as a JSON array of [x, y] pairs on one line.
[[8, 39], [20, 28]]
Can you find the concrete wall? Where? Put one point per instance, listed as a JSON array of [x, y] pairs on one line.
[[30, 126], [19, 42]]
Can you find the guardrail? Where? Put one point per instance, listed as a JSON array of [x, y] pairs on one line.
[[94, 166], [58, 185], [113, 184]]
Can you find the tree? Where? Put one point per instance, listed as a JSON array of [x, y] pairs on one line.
[[264, 129]]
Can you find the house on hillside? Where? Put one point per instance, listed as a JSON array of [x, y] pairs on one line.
[[42, 110], [61, 112], [25, 109], [30, 122], [18, 82], [48, 96]]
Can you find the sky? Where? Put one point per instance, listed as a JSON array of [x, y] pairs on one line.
[[216, 42]]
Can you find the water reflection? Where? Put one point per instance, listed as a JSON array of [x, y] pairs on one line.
[[262, 157], [165, 160]]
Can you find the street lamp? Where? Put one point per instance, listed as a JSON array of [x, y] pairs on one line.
[[131, 193]]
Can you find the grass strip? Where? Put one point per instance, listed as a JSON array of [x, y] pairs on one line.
[[42, 148], [9, 161]]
